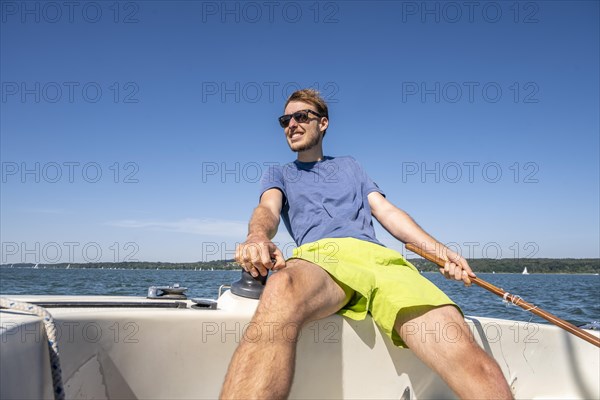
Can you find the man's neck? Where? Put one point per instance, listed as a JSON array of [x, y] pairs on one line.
[[312, 155]]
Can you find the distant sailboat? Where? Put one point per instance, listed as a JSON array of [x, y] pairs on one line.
[[68, 266], [525, 271], [36, 266]]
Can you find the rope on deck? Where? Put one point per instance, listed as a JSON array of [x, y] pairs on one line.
[[50, 326]]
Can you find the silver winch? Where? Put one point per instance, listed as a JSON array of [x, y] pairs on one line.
[[174, 292]]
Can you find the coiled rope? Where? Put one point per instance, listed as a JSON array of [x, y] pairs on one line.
[[50, 326]]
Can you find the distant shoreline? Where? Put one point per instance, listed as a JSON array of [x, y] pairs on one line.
[[499, 266]]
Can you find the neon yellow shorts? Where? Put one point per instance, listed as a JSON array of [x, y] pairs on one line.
[[379, 280]]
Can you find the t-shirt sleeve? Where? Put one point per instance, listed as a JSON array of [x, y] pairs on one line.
[[371, 186], [272, 178], [368, 185]]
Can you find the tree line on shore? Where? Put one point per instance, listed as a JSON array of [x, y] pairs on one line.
[[533, 265], [505, 265]]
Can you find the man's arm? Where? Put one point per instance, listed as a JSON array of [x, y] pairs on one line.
[[400, 225], [256, 253]]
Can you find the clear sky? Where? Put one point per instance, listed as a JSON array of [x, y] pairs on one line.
[[137, 130]]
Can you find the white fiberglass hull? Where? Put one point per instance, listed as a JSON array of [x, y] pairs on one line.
[[183, 353]]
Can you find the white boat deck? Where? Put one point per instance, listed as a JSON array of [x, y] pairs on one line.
[[159, 353]]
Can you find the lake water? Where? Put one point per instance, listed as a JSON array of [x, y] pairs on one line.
[[575, 298]]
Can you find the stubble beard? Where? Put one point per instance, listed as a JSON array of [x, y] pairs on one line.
[[307, 146]]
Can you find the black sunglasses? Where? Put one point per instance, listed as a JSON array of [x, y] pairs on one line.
[[300, 117]]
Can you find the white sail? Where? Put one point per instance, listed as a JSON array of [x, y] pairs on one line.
[[525, 271]]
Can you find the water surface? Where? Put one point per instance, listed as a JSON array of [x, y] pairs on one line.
[[575, 298]]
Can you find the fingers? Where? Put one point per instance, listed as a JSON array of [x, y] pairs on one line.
[[279, 259], [247, 255], [458, 269], [256, 257], [464, 276], [243, 256]]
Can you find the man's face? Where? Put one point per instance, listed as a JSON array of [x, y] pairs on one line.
[[304, 136]]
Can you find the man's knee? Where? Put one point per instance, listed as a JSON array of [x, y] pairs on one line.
[[281, 294], [278, 284]]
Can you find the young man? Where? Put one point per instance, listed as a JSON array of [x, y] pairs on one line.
[[326, 204]]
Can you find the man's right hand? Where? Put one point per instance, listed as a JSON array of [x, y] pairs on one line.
[[258, 254]]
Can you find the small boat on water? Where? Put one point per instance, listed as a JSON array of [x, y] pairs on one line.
[[525, 271], [165, 346]]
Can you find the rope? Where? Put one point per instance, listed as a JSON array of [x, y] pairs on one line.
[[49, 325], [515, 299]]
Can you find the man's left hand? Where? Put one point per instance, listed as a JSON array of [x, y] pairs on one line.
[[457, 268]]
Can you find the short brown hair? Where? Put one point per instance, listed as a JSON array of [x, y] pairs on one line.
[[312, 97]]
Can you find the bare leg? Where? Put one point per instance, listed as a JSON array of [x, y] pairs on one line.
[[264, 367], [469, 371]]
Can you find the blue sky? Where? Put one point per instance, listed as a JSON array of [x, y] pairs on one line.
[[137, 130]]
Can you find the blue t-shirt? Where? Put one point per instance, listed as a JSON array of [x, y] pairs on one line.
[[324, 199]]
